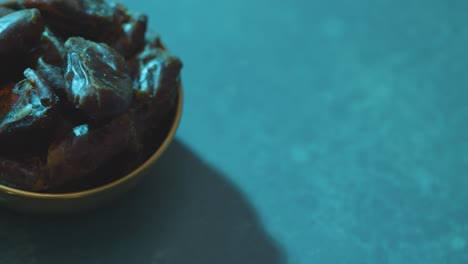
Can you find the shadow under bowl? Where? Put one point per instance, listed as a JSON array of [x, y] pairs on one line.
[[77, 201]]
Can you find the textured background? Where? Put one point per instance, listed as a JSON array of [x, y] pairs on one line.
[[313, 132]]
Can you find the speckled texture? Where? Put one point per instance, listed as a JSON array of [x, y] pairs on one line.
[[313, 132]]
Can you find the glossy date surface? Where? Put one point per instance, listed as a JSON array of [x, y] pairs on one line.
[[84, 82]]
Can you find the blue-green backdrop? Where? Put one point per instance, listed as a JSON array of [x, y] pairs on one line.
[[313, 131]]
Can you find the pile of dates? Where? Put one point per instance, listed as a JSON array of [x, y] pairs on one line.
[[83, 86]]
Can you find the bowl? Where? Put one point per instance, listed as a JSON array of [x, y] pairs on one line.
[[70, 202]]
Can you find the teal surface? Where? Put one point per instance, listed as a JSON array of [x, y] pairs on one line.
[[313, 132]]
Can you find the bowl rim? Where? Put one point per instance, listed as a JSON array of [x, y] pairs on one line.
[[73, 195]]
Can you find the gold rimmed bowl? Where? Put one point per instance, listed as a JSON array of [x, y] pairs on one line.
[[91, 198]]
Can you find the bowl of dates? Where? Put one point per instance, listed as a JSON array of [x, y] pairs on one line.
[[89, 99]]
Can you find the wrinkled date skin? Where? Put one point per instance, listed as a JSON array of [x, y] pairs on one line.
[[84, 85], [50, 49], [156, 80], [27, 113], [132, 36], [97, 80]]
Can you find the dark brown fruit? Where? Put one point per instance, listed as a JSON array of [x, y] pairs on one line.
[[91, 19], [84, 85], [5, 11], [25, 173], [84, 149], [27, 115], [132, 36], [97, 80], [20, 31]]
